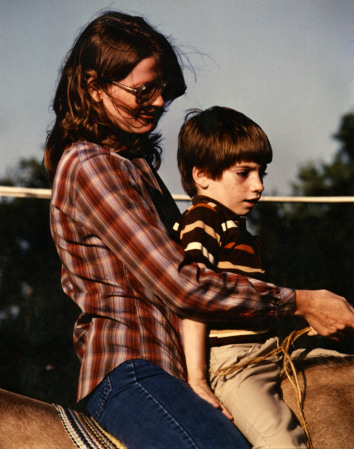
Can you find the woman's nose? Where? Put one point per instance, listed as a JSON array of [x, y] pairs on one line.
[[159, 101]]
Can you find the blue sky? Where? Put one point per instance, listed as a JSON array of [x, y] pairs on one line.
[[288, 64]]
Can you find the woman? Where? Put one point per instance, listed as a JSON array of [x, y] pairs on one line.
[[110, 216]]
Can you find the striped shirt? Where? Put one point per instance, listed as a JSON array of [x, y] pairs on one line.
[[109, 220], [212, 234]]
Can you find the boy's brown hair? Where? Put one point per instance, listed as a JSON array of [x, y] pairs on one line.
[[217, 138]]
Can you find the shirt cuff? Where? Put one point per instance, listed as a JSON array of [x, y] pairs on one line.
[[287, 304]]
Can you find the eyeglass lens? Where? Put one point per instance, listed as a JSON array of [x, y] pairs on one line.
[[151, 92]]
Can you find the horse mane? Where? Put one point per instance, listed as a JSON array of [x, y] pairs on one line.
[[304, 361]]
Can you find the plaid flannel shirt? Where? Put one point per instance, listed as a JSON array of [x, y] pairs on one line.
[[110, 217]]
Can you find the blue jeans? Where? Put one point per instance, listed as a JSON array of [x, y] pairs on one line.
[[147, 408]]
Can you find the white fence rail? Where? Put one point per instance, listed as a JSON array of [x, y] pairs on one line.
[[27, 192]]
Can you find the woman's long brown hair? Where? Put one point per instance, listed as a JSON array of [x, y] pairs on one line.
[[107, 50]]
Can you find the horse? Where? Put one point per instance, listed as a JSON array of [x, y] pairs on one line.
[[326, 386], [27, 423], [328, 407]]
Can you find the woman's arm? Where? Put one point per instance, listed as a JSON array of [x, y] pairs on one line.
[[117, 207], [328, 314]]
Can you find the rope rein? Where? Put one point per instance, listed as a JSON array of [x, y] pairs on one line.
[[289, 369]]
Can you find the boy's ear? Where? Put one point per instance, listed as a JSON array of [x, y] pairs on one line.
[[200, 177], [95, 93]]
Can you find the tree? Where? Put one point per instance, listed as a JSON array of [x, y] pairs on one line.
[[310, 246], [329, 228], [36, 318]]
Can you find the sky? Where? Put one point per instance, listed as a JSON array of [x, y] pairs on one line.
[[287, 64]]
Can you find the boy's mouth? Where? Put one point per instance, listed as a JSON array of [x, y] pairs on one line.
[[253, 201]]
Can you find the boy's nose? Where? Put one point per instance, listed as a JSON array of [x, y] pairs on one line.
[[258, 184]]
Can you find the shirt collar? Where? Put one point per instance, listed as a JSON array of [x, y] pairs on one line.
[[228, 212]]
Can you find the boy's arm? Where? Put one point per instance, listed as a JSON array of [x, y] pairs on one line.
[[202, 247], [194, 338]]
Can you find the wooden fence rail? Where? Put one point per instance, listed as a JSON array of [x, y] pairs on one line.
[[28, 192]]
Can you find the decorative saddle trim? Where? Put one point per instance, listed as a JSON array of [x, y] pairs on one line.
[[85, 432]]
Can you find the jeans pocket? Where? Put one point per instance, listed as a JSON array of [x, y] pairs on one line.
[[99, 398]]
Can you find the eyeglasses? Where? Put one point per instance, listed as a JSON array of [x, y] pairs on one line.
[[144, 94]]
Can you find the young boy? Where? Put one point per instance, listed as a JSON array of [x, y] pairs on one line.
[[222, 158]]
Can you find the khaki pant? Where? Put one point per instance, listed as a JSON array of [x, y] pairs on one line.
[[253, 396]]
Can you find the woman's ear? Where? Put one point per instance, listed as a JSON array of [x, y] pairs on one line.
[[201, 178], [95, 93]]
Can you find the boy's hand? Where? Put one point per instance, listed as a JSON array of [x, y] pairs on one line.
[[328, 314], [201, 387]]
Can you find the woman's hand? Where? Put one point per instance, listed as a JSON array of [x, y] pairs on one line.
[[201, 387], [327, 314]]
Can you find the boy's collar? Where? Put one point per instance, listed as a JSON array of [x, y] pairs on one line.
[[207, 199]]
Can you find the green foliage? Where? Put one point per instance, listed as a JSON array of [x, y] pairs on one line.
[[36, 318], [310, 246]]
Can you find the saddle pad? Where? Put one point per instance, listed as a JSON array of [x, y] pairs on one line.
[[85, 432]]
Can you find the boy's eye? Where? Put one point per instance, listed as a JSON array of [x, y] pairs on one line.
[[244, 174]]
